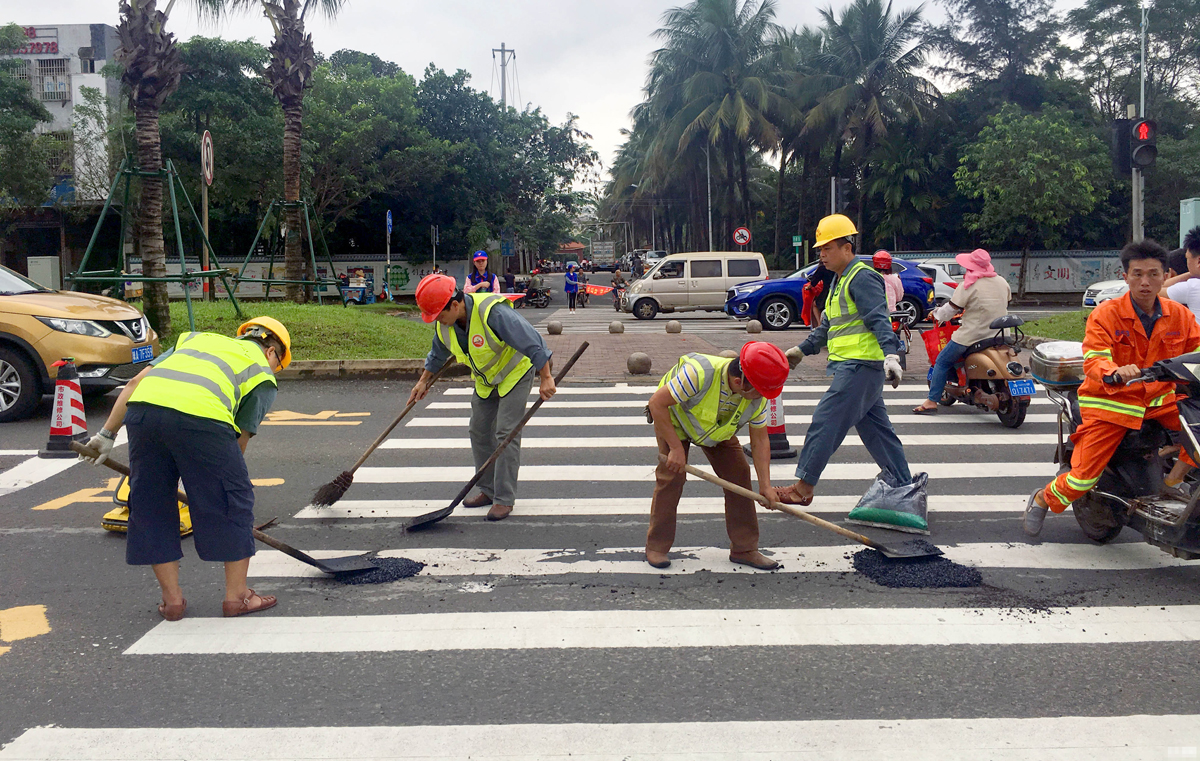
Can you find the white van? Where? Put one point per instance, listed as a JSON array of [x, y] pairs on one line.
[[691, 281]]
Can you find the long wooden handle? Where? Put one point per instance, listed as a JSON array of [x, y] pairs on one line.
[[407, 409], [789, 509], [515, 431]]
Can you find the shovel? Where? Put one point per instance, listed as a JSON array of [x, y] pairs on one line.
[[902, 551], [333, 566]]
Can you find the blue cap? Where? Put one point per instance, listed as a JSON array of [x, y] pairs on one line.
[[480, 255]]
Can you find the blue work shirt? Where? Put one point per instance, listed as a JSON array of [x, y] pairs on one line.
[[511, 328], [871, 300]]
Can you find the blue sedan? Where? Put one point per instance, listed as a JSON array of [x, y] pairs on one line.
[[776, 303]]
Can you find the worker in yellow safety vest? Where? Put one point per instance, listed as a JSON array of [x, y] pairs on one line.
[[190, 415], [504, 352]]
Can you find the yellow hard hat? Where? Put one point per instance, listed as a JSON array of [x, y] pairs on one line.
[[274, 327], [833, 227]]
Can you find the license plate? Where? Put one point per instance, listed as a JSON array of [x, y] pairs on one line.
[[1021, 387], [1089, 302], [143, 354]]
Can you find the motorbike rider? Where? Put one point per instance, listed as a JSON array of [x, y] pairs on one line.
[[1123, 336], [982, 297], [618, 282], [892, 287]]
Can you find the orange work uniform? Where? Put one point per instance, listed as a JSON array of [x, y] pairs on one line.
[[1115, 338]]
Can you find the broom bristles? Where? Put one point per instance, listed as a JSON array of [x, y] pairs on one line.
[[333, 491]]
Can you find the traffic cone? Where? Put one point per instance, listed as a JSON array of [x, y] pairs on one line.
[[776, 431], [67, 421]]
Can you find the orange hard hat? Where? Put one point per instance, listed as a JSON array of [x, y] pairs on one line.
[[765, 367], [881, 260], [434, 293]]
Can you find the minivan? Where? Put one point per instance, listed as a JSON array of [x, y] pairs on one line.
[[691, 281]]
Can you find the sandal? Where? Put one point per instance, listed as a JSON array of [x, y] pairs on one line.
[[241, 607], [172, 612], [924, 411]]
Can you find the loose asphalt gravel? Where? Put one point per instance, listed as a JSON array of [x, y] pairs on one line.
[[390, 569], [916, 573]]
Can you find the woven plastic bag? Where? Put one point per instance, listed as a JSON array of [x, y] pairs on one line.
[[898, 507]]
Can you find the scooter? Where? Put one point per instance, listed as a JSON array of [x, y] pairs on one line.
[[991, 377], [903, 332], [1130, 491], [618, 296], [538, 298]]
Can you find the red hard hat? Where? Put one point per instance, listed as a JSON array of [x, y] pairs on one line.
[[881, 259], [433, 294], [764, 367]]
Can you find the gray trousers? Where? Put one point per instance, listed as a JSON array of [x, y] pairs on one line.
[[492, 419], [854, 399]]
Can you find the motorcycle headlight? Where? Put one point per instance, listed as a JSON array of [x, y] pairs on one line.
[[78, 327]]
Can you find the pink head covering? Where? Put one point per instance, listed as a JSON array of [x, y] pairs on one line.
[[978, 264]]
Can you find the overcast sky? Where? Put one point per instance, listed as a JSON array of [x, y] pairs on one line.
[[586, 57]]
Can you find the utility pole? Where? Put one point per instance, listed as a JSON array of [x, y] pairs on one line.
[[506, 54], [1139, 178]]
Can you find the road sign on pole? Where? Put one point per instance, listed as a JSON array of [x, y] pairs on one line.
[[206, 168], [741, 236], [389, 245], [206, 157]]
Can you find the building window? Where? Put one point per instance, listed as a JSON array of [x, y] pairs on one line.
[[17, 68], [53, 79], [87, 66], [60, 152]]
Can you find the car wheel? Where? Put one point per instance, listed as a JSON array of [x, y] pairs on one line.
[[911, 309], [776, 313], [645, 309], [20, 390]]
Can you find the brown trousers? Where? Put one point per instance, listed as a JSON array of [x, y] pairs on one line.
[[741, 521]]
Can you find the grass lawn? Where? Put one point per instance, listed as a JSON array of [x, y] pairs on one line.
[[1067, 326], [374, 331]]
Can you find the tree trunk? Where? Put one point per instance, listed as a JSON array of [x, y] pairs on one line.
[[1023, 277], [154, 258], [783, 162], [293, 251]]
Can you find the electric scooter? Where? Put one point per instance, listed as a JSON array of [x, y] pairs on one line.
[[991, 377]]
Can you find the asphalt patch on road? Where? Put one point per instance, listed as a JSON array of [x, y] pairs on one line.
[[917, 573], [389, 569]]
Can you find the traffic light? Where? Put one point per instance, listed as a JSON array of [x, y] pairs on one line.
[[1143, 136], [841, 195], [1121, 163]]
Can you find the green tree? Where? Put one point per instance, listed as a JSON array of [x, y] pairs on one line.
[[1034, 174], [25, 175]]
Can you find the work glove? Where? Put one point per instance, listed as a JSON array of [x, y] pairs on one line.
[[891, 369], [103, 443], [794, 355]]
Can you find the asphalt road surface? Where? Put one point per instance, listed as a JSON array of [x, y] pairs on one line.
[[547, 636]]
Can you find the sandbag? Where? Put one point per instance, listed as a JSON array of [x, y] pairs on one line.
[[898, 507]]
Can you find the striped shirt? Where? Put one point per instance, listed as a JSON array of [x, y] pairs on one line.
[[684, 385]]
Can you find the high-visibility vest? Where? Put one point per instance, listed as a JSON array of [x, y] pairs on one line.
[[849, 337], [494, 364], [695, 419], [207, 375]]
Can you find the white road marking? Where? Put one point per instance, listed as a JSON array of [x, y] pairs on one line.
[[1062, 738], [633, 442], [32, 471], [544, 421], [647, 390], [1126, 556], [592, 404], [585, 506], [563, 629], [17, 452]]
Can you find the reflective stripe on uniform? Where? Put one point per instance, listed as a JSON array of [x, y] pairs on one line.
[[1108, 405], [848, 336], [1107, 353], [483, 360]]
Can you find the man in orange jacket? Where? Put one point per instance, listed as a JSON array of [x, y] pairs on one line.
[[1123, 336]]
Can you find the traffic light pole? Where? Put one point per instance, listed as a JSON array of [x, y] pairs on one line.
[[1139, 196]]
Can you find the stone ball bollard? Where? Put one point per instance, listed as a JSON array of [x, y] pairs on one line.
[[638, 363], [754, 326], [616, 326], [729, 354], [554, 328], [674, 327]]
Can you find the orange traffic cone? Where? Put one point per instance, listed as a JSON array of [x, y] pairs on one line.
[[777, 431], [67, 421]]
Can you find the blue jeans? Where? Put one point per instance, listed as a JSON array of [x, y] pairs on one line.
[[946, 359]]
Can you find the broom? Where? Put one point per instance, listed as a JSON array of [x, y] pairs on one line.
[[337, 488]]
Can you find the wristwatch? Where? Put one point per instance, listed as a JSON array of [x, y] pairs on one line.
[[105, 433]]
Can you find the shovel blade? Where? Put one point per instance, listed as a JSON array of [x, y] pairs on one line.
[[348, 564], [429, 518], [917, 548]]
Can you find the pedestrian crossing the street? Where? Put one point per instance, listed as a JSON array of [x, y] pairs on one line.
[[548, 636]]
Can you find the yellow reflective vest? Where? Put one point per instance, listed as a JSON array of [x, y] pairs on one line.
[[207, 376], [494, 364], [695, 419], [849, 337]]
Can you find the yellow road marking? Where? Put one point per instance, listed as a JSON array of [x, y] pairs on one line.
[[353, 414], [4, 650], [311, 422], [266, 481], [23, 622], [83, 495], [287, 417]]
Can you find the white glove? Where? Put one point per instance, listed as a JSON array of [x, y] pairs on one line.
[[794, 355], [103, 443], [945, 312], [891, 369]]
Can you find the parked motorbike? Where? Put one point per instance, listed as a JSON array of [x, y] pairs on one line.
[[990, 376], [1130, 491], [538, 298]]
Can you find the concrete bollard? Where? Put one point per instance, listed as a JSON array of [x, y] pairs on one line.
[[616, 326], [554, 328], [674, 327], [638, 363], [729, 354], [754, 326]]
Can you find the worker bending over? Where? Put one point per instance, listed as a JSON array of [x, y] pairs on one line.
[[1123, 336], [504, 352], [863, 351], [190, 415], [705, 400]]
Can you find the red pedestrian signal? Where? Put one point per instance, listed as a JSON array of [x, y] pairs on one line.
[[1142, 149], [1144, 131]]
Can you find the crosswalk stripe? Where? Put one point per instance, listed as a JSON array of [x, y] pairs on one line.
[[640, 474], [549, 420], [35, 470], [17, 452], [408, 508], [443, 561], [639, 403], [634, 442], [645, 390], [1062, 738], [590, 629]]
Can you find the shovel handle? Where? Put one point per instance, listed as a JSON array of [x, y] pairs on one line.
[[789, 509], [407, 409], [112, 464]]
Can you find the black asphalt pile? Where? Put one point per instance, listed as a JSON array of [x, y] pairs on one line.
[[917, 573], [390, 569]]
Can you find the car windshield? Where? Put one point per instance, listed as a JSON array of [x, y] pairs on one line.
[[11, 284]]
